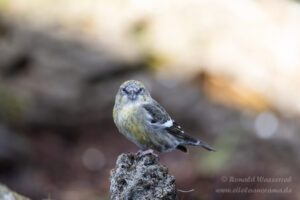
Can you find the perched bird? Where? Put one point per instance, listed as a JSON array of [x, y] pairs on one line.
[[146, 123]]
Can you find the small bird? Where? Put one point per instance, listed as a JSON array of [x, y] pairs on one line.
[[146, 123]]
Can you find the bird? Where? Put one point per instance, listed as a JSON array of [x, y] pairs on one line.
[[142, 120]]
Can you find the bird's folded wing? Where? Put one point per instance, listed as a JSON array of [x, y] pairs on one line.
[[158, 114], [159, 117]]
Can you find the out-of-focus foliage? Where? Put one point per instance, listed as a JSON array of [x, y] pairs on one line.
[[253, 45], [12, 107], [213, 163]]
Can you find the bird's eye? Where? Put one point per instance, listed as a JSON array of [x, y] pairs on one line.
[[140, 90], [124, 90]]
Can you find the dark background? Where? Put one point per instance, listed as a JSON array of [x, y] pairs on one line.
[[228, 72]]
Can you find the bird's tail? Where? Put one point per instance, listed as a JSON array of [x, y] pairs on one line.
[[203, 145]]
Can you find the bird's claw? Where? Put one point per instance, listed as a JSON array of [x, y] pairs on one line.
[[141, 153]]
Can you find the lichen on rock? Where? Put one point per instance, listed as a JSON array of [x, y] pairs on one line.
[[141, 178], [7, 194]]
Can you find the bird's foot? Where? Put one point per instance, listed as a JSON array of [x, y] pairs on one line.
[[141, 153], [130, 154]]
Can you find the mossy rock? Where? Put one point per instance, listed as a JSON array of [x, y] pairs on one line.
[[7, 194]]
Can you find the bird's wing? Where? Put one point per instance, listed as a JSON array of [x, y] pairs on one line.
[[158, 114], [159, 117]]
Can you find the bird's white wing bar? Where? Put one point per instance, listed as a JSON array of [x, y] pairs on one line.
[[168, 123]]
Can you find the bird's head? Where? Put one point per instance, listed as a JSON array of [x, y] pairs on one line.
[[132, 91]]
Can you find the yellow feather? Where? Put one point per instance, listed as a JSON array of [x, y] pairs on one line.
[[127, 118]]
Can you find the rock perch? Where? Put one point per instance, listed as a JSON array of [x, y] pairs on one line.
[[141, 179]]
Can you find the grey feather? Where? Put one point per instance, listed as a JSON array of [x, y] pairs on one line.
[[159, 117], [158, 113]]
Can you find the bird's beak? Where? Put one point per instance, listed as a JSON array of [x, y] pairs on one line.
[[132, 95]]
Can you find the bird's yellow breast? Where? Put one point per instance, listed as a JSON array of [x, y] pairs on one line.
[[129, 121]]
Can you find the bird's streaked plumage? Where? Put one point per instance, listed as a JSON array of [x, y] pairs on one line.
[[146, 123]]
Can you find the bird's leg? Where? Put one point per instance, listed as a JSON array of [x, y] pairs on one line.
[[130, 153], [141, 153]]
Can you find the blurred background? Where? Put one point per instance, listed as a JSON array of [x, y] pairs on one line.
[[227, 71]]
